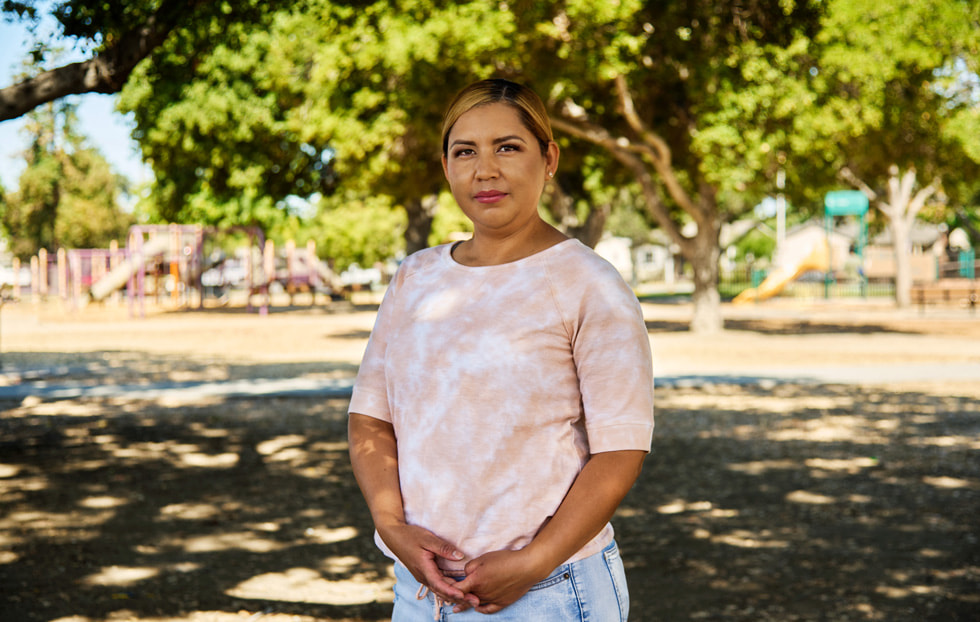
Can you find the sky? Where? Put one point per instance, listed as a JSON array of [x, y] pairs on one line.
[[107, 130]]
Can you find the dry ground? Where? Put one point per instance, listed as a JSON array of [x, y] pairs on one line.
[[759, 502]]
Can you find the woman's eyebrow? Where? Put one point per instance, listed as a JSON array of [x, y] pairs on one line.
[[496, 141], [507, 139]]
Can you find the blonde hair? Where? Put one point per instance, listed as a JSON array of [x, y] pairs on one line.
[[529, 106]]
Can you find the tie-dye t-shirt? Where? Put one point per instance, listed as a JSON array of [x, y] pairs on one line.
[[500, 381]]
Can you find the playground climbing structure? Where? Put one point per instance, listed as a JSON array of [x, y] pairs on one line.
[[180, 267]]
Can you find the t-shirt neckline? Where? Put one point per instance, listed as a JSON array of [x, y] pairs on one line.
[[447, 255]]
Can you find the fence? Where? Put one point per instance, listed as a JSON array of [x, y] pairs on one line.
[[810, 286]]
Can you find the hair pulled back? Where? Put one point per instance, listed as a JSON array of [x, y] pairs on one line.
[[529, 106]]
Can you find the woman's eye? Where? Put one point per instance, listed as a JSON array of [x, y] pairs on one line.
[[463, 152], [509, 147]]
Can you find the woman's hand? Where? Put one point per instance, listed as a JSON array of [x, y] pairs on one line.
[[498, 579], [501, 577], [418, 549]]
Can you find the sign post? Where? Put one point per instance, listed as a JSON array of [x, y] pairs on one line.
[[846, 203]]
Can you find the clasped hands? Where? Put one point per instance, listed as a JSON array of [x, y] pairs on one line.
[[493, 580]]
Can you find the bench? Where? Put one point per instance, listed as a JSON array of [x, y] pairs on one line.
[[959, 292]]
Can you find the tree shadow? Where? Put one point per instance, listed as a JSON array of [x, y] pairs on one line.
[[331, 306], [785, 503], [134, 507], [784, 326], [806, 503], [122, 367]]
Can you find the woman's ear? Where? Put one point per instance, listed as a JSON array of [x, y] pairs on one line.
[[551, 158]]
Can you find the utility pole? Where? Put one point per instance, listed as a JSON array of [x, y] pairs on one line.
[[780, 211]]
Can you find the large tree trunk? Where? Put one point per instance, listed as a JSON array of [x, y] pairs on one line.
[[420, 212], [902, 239], [590, 232], [900, 208], [648, 156], [707, 316], [561, 207]]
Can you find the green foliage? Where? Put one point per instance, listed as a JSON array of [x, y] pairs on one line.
[[88, 211], [756, 243], [332, 98], [895, 85], [709, 81], [378, 81], [628, 222], [100, 24], [68, 196], [328, 98], [30, 212], [350, 230], [449, 221], [222, 142]]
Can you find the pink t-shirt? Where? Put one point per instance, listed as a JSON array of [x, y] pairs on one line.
[[500, 381]]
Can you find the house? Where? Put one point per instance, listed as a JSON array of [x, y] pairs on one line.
[[928, 247]]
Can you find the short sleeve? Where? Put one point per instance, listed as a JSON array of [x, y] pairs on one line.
[[370, 394], [614, 363]]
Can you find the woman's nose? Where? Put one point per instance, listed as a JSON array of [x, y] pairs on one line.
[[486, 167]]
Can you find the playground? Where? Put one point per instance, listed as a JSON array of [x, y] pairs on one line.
[[180, 266], [812, 462]]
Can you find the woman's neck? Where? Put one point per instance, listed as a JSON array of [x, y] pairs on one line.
[[489, 250]]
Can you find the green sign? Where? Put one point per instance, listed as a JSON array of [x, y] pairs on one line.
[[845, 203]]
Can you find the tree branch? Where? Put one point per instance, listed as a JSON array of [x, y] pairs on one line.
[[659, 146], [106, 73], [658, 153], [920, 198], [848, 175], [626, 153]]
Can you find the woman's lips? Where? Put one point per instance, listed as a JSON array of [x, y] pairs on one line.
[[489, 196]]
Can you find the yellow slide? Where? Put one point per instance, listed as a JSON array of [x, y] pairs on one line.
[[817, 259]]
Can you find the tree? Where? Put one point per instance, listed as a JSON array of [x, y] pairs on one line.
[[68, 195], [325, 99], [352, 231], [226, 134], [119, 35], [381, 77], [693, 99], [897, 96]]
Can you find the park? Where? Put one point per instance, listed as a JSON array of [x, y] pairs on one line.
[[812, 462], [790, 189]]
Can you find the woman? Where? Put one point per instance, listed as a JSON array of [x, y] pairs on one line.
[[504, 405]]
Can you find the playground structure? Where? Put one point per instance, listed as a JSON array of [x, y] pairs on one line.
[[790, 267], [171, 264], [817, 254]]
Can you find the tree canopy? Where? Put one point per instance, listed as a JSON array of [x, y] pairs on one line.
[[896, 108], [689, 110], [118, 35], [67, 196]]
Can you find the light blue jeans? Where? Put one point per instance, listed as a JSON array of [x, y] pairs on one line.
[[589, 590]]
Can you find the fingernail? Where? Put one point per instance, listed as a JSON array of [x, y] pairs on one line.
[[457, 555]]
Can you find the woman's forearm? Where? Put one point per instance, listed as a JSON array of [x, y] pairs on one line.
[[374, 458], [590, 503], [499, 578]]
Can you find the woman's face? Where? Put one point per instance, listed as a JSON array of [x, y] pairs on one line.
[[496, 170]]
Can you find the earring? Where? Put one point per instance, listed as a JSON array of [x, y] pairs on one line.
[[551, 173]]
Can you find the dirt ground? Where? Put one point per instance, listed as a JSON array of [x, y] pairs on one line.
[[762, 499]]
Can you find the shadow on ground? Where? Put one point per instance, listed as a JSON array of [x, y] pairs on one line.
[[780, 327], [792, 503]]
